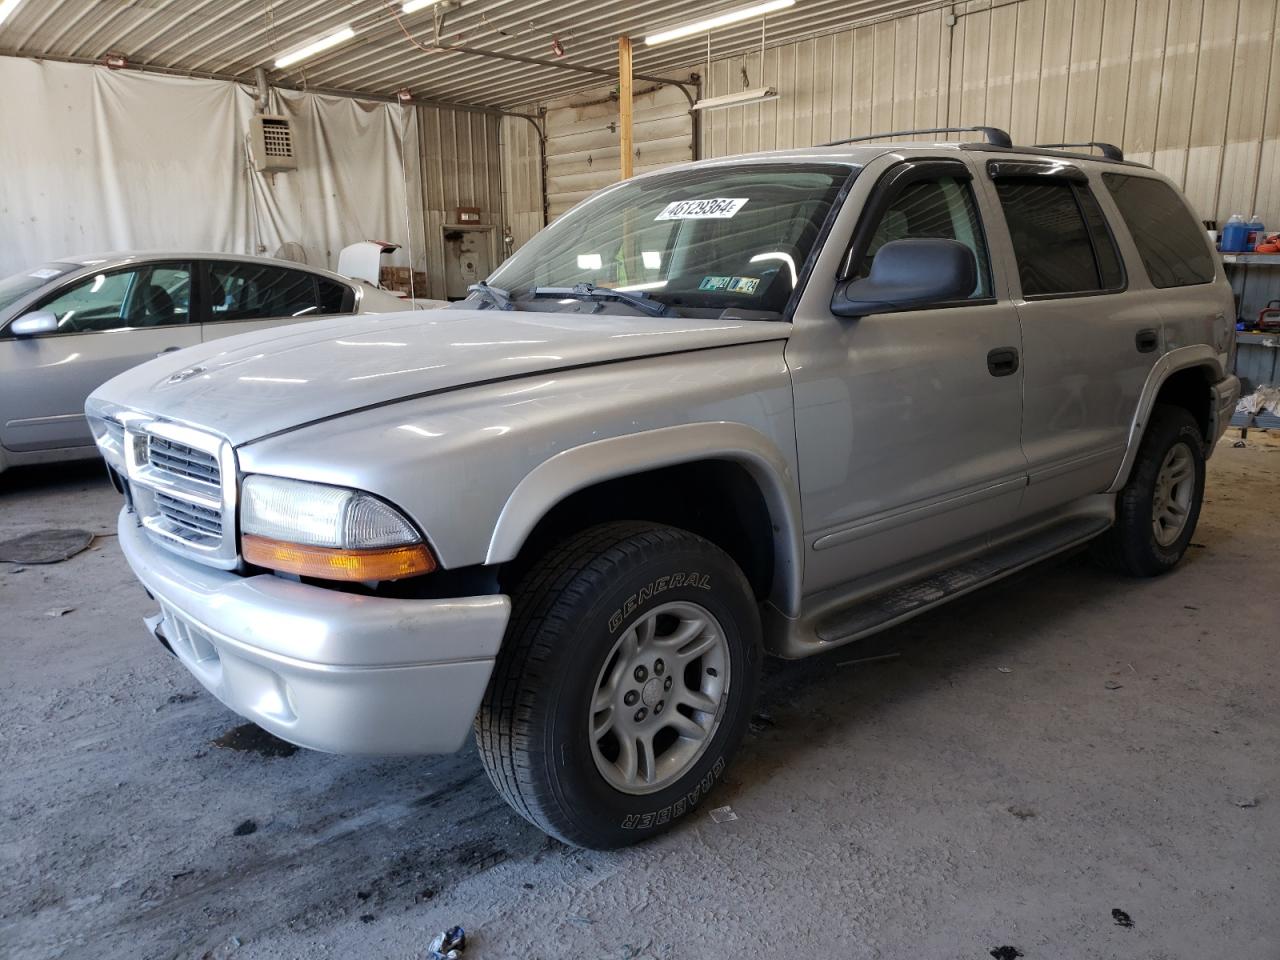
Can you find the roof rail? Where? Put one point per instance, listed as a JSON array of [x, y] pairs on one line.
[[994, 135], [1109, 150]]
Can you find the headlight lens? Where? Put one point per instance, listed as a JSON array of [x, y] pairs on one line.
[[317, 530]]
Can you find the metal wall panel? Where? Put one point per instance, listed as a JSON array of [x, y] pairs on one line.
[[460, 162], [582, 140], [1189, 86]]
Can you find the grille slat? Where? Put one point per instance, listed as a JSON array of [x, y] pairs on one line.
[[184, 461], [190, 517]]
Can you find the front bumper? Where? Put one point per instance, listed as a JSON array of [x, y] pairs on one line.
[[320, 668], [1226, 394]]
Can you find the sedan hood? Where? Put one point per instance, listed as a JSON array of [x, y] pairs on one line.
[[249, 386]]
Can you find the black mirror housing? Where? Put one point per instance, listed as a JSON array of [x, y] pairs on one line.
[[909, 273]]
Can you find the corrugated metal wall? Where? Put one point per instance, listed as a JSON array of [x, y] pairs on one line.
[[1189, 86], [582, 140], [460, 167]]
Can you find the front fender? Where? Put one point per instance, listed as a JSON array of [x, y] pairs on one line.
[[583, 466]]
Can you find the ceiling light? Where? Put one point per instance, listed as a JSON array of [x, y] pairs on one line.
[[721, 20], [413, 6], [758, 95], [314, 47], [7, 7]]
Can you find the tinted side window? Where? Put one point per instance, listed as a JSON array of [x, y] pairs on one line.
[[1053, 242], [251, 291], [1172, 245], [932, 209], [333, 296]]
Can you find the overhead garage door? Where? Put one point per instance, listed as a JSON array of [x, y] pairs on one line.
[[582, 141]]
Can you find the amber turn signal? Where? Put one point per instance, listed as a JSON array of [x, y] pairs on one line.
[[329, 563]]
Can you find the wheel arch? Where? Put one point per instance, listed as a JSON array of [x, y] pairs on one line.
[[1183, 377], [725, 481]]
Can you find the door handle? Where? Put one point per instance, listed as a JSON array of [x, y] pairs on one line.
[[167, 350], [1002, 361], [1147, 340]]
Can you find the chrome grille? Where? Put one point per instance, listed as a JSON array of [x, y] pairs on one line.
[[184, 485], [190, 520], [184, 461]]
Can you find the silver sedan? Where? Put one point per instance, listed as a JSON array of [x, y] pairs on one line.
[[69, 325]]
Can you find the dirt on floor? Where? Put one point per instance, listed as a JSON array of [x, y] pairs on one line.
[[1067, 765]]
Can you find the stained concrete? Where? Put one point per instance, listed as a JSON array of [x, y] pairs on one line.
[[1040, 755]]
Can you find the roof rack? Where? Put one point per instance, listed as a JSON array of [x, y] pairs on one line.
[[1109, 150], [994, 135]]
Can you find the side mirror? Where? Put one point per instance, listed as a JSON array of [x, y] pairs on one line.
[[33, 324], [909, 273]]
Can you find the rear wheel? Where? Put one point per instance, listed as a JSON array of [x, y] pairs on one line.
[[624, 684], [1157, 511]]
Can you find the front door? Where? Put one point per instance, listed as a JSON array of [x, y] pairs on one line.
[[907, 422], [106, 324]]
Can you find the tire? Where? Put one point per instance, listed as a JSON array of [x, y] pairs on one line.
[[1133, 545], [565, 672]]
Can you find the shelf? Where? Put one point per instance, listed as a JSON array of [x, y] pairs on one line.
[[1253, 259]]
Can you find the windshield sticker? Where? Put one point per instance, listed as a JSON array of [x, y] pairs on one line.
[[45, 274], [716, 208], [744, 285]]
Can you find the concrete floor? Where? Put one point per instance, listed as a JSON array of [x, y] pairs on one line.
[[1041, 754]]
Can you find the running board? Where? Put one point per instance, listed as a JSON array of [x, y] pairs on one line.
[[911, 599]]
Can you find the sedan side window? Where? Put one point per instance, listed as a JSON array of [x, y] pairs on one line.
[[149, 296], [936, 209], [256, 291]]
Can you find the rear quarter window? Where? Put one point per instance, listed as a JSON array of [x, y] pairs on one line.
[[1171, 244]]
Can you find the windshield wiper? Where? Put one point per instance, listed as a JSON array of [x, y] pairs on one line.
[[494, 295], [589, 291]]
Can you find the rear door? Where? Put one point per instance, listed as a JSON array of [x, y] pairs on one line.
[[107, 323], [907, 422], [1088, 342], [245, 295]]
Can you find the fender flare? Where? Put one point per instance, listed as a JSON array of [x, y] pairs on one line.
[[1182, 358], [583, 466]]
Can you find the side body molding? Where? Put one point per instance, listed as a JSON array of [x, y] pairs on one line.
[[1195, 355], [591, 463]]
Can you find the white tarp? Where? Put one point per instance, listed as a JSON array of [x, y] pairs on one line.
[[96, 160]]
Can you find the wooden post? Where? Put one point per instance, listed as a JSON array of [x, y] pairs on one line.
[[625, 141]]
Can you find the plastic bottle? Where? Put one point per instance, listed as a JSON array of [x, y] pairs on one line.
[[1257, 230], [1235, 234]]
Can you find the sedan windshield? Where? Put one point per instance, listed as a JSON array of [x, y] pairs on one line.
[[14, 288], [693, 240]]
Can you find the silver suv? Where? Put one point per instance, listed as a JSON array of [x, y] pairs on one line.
[[767, 404]]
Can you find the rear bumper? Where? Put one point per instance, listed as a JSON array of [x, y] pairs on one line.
[[1226, 394], [323, 669]]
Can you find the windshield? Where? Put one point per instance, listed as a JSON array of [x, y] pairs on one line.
[[694, 240], [14, 288]]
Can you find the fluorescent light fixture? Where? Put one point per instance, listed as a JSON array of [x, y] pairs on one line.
[[314, 47], [590, 261], [720, 20], [7, 7], [758, 95], [652, 259], [413, 6]]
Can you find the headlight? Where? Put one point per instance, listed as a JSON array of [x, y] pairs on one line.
[[315, 530]]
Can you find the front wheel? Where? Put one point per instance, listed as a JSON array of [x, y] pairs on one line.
[[624, 685], [1157, 511]]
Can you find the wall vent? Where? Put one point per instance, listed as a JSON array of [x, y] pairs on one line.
[[271, 143]]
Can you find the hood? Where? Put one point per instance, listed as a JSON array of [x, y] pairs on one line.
[[255, 384]]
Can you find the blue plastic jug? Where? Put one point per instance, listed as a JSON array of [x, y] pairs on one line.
[[1235, 235]]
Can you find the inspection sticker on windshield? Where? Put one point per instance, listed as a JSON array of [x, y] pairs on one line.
[[747, 285], [45, 274], [716, 208]]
